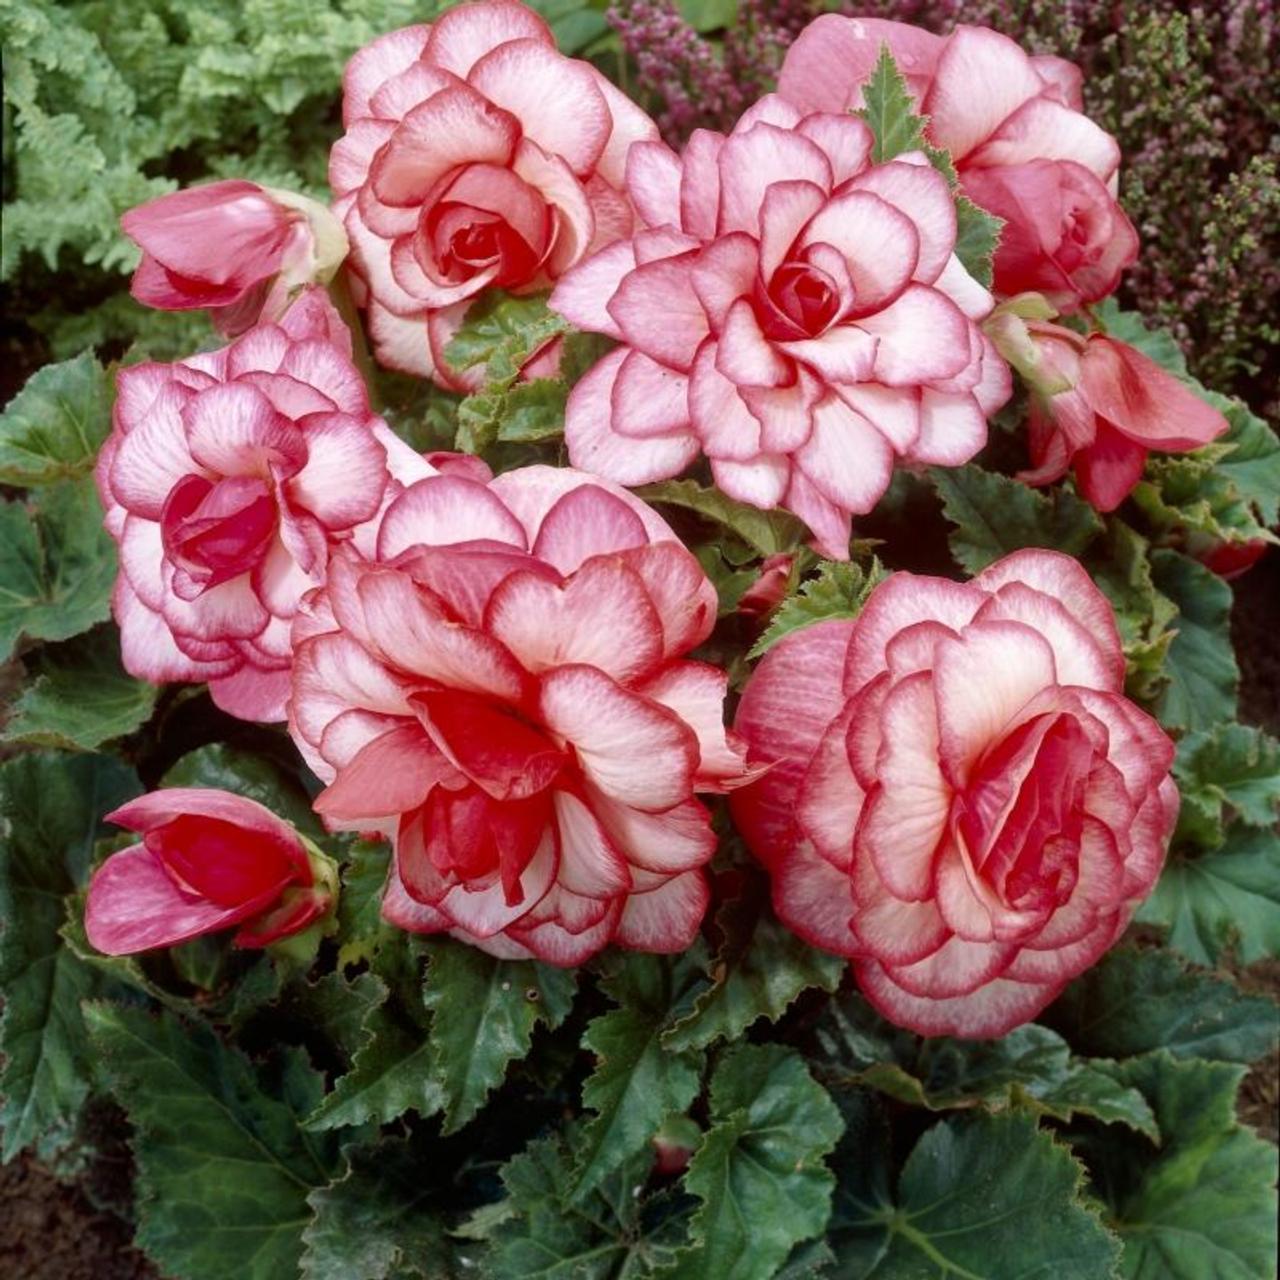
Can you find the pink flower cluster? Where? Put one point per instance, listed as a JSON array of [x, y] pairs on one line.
[[499, 673]]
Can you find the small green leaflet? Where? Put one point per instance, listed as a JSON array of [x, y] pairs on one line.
[[995, 514], [52, 429], [1201, 666], [1204, 1204], [890, 112], [81, 696], [1132, 1002], [636, 1082], [980, 1196], [840, 590], [765, 532], [57, 565], [484, 1012], [224, 1169], [759, 1172], [1224, 900], [51, 807]]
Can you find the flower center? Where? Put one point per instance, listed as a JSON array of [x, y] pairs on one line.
[[218, 530], [806, 295]]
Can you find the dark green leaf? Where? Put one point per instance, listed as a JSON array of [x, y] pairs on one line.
[[224, 1170], [636, 1082], [81, 696], [767, 532], [541, 1231], [994, 515], [759, 969], [361, 928], [1031, 1065], [977, 239], [839, 591], [52, 429], [759, 1172], [981, 1195], [245, 774], [340, 1007], [376, 1222], [1134, 1001], [1253, 465], [484, 1011], [57, 565], [390, 1074], [51, 808], [1190, 498], [1204, 1204], [1224, 900], [1203, 676]]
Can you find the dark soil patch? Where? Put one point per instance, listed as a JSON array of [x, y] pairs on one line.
[[50, 1230]]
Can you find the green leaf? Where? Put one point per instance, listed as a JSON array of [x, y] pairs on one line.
[[390, 1074], [766, 532], [708, 15], [1203, 1204], [1132, 1002], [980, 1197], [995, 514], [1143, 615], [361, 929], [81, 697], [1030, 1066], [340, 1007], [977, 239], [224, 1170], [376, 1223], [57, 565], [636, 1082], [1234, 766], [1224, 900], [759, 1172], [1202, 670], [50, 815], [890, 113], [759, 969], [52, 429], [840, 590], [500, 333], [539, 1232], [245, 774], [1253, 465], [484, 1011], [1189, 498]]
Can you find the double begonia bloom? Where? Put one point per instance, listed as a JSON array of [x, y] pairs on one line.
[[1099, 406], [503, 690], [224, 480], [237, 249], [1015, 130], [208, 860], [961, 800], [791, 310], [475, 156]]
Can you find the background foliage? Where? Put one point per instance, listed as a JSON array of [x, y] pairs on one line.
[[384, 1107]]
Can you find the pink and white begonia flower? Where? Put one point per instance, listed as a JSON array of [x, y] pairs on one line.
[[502, 689], [476, 156], [961, 798], [239, 250], [225, 479], [789, 309], [1014, 126], [1098, 406], [208, 860]]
